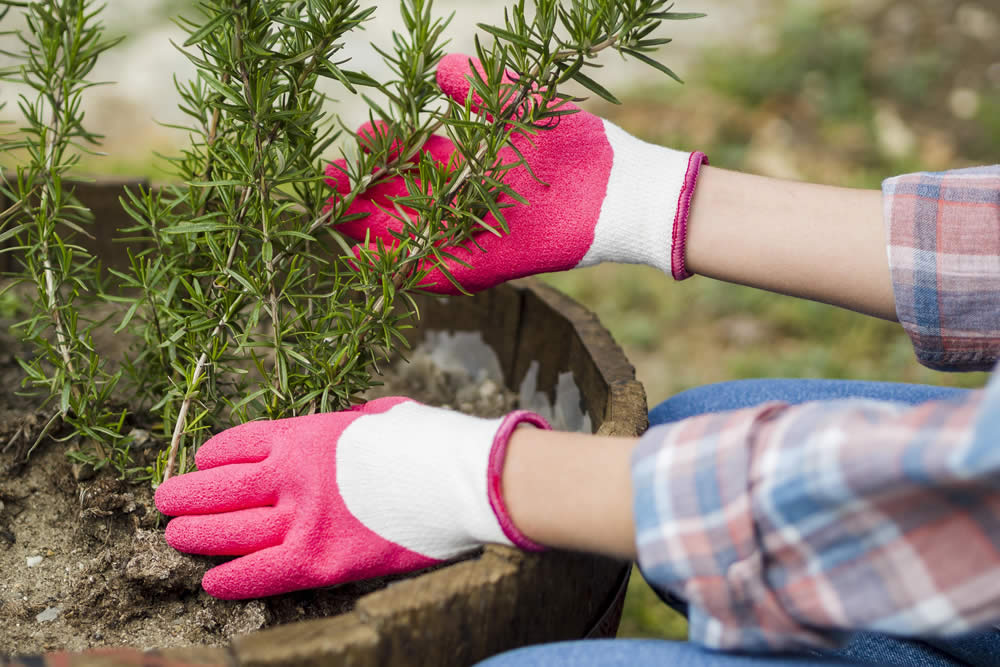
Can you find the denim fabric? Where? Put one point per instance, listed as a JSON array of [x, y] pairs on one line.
[[746, 393], [641, 653], [870, 648], [980, 650]]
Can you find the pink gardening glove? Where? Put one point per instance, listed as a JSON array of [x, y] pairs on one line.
[[388, 487], [609, 198]]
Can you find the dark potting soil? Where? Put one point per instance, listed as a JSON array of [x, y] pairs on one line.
[[84, 563]]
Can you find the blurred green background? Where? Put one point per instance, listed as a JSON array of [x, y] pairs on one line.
[[842, 92]]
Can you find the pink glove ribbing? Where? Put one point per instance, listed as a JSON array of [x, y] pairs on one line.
[[392, 486], [604, 196]]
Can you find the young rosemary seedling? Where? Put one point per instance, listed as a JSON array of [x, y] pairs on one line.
[[58, 49]]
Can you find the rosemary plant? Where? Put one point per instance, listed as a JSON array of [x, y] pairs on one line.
[[246, 301], [59, 48], [242, 303]]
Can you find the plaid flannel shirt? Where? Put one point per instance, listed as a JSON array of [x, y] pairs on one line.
[[790, 526]]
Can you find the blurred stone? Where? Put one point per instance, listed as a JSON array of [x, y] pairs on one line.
[[50, 614], [895, 138], [964, 103], [770, 150], [993, 74], [740, 330], [34, 561], [977, 22], [140, 438], [83, 471], [488, 389], [902, 19], [937, 149]]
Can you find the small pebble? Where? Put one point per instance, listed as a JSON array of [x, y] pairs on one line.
[[50, 614], [140, 438], [35, 560], [488, 389], [83, 471]]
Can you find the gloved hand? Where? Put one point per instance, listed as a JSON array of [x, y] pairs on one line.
[[388, 487], [605, 196]]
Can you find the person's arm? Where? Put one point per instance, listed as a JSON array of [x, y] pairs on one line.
[[781, 525], [785, 526], [571, 490], [813, 241], [925, 251]]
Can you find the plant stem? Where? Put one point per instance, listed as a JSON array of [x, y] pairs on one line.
[[55, 125], [61, 44], [199, 370], [199, 367]]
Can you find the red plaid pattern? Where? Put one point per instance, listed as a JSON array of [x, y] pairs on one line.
[[790, 526], [944, 233]]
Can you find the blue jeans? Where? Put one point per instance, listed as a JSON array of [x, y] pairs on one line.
[[864, 648]]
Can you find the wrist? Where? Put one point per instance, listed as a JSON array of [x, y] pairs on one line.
[[571, 490], [509, 427]]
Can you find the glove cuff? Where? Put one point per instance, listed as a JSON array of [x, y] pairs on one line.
[[678, 245], [494, 475], [644, 214]]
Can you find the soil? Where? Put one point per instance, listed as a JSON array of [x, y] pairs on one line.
[[84, 563]]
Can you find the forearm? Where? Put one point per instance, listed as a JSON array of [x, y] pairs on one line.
[[571, 490], [812, 241]]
